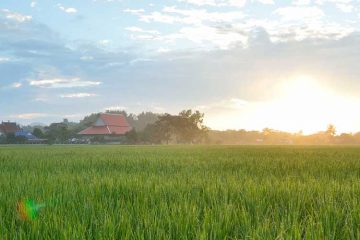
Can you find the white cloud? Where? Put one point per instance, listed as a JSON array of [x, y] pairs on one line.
[[201, 29], [226, 29], [16, 85], [134, 11], [298, 30], [299, 13], [301, 2], [200, 2], [78, 95], [163, 50], [62, 83], [11, 86], [173, 14], [223, 29], [230, 104], [237, 3], [69, 10], [16, 16], [345, 7], [140, 60], [28, 116], [141, 34], [115, 108], [213, 36], [107, 1], [33, 4], [4, 59], [321, 2], [265, 1], [41, 99], [140, 30], [104, 42], [218, 3], [87, 58]]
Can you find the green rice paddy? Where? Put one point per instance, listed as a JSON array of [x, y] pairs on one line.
[[182, 192]]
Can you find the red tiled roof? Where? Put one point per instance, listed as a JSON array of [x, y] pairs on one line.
[[105, 130], [114, 119], [114, 124], [9, 127]]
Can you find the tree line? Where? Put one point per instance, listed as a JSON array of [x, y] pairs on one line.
[[270, 136], [147, 128], [187, 127]]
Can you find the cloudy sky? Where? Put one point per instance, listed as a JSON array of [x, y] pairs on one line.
[[288, 65]]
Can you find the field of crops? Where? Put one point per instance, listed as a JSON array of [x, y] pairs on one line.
[[182, 192]]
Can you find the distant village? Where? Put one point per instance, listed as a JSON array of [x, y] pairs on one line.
[[150, 128], [110, 127]]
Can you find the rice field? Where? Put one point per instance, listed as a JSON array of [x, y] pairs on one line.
[[181, 192]]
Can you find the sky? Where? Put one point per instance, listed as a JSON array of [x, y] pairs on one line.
[[247, 64]]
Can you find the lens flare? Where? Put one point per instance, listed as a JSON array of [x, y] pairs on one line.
[[28, 210]]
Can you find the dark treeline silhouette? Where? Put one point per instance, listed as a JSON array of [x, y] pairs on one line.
[[187, 127], [271, 136]]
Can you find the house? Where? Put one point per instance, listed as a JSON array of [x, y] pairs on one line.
[[108, 126], [9, 128], [29, 137]]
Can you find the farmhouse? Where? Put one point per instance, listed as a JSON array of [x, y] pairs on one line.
[[108, 125], [9, 128], [29, 138]]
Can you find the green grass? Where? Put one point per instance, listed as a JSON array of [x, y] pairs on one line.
[[182, 192]]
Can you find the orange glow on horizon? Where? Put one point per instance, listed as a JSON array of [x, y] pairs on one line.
[[301, 104]]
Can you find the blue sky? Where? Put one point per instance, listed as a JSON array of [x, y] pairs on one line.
[[239, 61]]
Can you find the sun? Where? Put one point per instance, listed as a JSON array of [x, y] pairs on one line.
[[303, 104], [300, 103], [302, 88]]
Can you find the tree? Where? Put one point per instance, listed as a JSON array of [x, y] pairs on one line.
[[2, 138], [330, 133], [153, 134], [186, 127], [190, 127], [331, 130], [10, 138], [58, 133], [345, 138], [132, 136], [37, 132], [143, 119], [88, 121]]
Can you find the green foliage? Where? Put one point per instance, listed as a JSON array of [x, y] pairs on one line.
[[273, 137], [182, 192], [37, 132], [187, 127], [10, 138], [58, 133], [132, 137], [3, 139], [88, 121]]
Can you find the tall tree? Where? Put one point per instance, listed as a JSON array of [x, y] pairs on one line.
[[331, 130], [186, 127], [37, 132], [58, 133]]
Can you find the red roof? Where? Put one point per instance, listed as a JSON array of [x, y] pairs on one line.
[[9, 127], [114, 120], [114, 124]]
